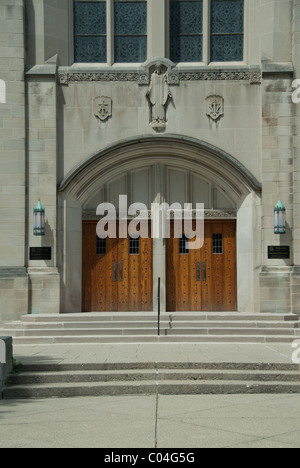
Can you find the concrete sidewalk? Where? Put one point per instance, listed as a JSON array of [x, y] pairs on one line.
[[181, 352], [174, 422], [149, 421]]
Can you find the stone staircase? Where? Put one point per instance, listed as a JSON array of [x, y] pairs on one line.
[[78, 380], [184, 327]]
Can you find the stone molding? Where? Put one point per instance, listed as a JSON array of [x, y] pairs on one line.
[[163, 146], [13, 272], [209, 214], [253, 75]]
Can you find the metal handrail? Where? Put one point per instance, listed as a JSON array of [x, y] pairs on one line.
[[158, 298]]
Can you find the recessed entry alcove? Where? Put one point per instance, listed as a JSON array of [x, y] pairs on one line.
[[156, 170]]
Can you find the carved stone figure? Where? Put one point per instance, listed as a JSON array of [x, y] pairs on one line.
[[159, 95]]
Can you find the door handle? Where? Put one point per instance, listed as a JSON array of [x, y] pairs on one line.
[[204, 271], [198, 269], [121, 271], [114, 272]]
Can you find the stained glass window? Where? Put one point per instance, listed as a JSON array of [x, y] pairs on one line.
[[90, 32], [130, 21], [227, 30], [186, 31]]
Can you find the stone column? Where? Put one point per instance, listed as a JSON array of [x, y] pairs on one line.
[[159, 247], [157, 41], [44, 281], [277, 177]]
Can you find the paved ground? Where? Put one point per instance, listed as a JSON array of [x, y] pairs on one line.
[[149, 421], [254, 421], [155, 352]]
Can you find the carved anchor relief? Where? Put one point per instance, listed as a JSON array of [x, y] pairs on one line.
[[215, 108], [103, 108]]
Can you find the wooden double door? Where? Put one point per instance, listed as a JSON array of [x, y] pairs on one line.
[[205, 279], [117, 273]]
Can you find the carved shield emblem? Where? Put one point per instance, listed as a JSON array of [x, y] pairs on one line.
[[103, 108], [215, 107]]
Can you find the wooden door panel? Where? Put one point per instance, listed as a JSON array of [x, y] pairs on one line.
[[183, 286], [146, 292], [123, 282], [116, 281], [230, 271], [206, 269], [86, 269], [110, 280], [216, 290], [171, 262]]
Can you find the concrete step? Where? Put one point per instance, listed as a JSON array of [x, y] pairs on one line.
[[157, 367], [74, 380], [98, 332], [139, 338], [129, 327], [151, 316], [172, 387], [33, 378], [146, 324]]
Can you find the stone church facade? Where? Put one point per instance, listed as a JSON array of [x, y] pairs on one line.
[[162, 101]]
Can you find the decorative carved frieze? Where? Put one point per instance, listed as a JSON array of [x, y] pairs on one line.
[[174, 77], [254, 77]]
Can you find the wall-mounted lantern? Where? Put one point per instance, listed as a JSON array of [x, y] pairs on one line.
[[279, 218], [39, 220]]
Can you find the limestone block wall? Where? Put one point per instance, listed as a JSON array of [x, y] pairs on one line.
[[12, 135], [13, 277], [295, 289], [13, 293], [5, 367], [80, 135]]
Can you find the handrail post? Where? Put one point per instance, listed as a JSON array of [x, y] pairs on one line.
[[158, 306]]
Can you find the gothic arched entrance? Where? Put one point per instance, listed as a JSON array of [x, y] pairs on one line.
[[122, 274]]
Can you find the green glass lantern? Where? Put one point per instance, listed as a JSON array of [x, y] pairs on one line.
[[39, 220], [280, 218]]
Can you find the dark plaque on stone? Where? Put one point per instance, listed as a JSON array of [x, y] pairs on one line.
[[40, 253], [279, 252]]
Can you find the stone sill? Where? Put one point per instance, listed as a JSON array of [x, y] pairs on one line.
[[280, 270]]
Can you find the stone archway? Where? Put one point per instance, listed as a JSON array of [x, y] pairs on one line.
[[165, 153]]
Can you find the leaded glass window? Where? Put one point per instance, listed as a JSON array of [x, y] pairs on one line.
[[227, 31], [134, 246], [186, 31], [183, 245], [90, 32], [101, 246], [130, 21], [217, 244]]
